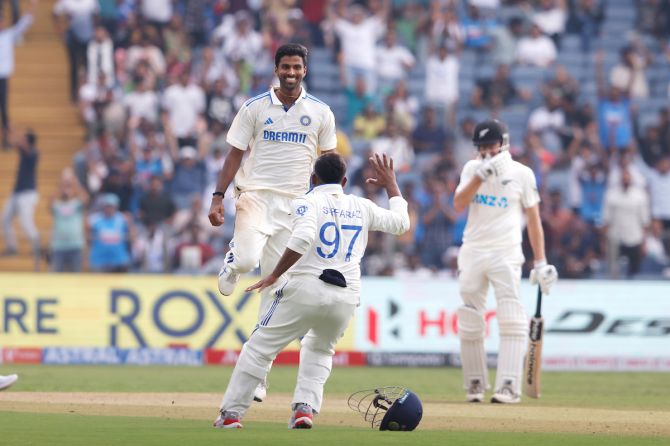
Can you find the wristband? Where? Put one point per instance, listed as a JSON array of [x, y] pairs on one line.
[[218, 194]]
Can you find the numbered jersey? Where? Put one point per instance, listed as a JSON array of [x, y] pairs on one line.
[[330, 229]]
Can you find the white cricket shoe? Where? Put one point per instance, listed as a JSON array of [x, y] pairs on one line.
[[7, 381], [227, 277], [506, 395], [228, 419], [261, 391], [475, 392], [302, 417]]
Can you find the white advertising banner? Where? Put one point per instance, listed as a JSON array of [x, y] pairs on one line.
[[594, 325]]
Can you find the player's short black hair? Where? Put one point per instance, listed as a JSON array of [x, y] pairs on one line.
[[31, 137], [330, 168], [291, 49]]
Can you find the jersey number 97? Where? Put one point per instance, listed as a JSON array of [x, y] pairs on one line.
[[329, 234]]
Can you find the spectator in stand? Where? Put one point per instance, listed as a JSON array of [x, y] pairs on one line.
[[94, 98], [437, 218], [190, 177], [653, 17], [191, 255], [536, 49], [396, 146], [578, 251], [592, 183], [109, 234], [393, 62], [402, 108], [614, 113], [184, 107], [357, 100], [548, 122], [626, 219], [145, 50], [506, 40], [441, 88], [463, 141], [23, 199], [657, 176], [156, 206], [448, 31], [498, 91], [100, 56], [243, 44], [551, 16], [9, 36], [564, 86], [430, 137], [177, 49], [142, 103], [478, 30], [369, 124], [585, 19], [119, 182], [629, 74], [150, 250], [74, 20], [156, 12], [67, 232], [358, 35]]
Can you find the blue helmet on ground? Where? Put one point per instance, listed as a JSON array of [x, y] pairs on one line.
[[390, 408]]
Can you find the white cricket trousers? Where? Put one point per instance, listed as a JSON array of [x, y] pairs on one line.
[[501, 268], [21, 204], [303, 306], [262, 229]]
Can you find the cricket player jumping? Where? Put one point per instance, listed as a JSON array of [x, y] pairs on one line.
[[497, 190], [283, 129], [317, 297]]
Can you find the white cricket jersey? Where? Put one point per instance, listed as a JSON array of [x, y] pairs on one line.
[[283, 143], [330, 229], [496, 211]]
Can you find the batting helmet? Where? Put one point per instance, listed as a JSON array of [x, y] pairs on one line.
[[388, 408], [490, 131]]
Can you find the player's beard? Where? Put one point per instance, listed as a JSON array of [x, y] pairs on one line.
[[290, 86]]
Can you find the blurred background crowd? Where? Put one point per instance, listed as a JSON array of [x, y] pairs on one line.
[[582, 85]]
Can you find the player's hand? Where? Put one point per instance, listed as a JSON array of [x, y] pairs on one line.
[[216, 212], [262, 284], [384, 173], [544, 275], [485, 169]]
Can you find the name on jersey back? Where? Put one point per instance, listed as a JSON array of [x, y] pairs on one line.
[[342, 213]]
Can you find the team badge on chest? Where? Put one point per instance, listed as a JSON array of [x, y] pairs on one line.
[[305, 120]]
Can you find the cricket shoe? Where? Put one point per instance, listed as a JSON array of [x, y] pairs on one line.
[[261, 391], [227, 277], [228, 419], [7, 381], [506, 395], [302, 417], [475, 392]]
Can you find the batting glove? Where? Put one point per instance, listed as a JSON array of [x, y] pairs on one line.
[[544, 275], [485, 169], [500, 162]]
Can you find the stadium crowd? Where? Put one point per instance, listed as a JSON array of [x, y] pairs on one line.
[[581, 84]]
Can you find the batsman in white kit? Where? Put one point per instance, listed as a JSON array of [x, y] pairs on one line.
[[498, 191], [320, 291], [281, 130]]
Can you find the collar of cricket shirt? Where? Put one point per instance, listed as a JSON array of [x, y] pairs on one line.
[[275, 100], [329, 189]]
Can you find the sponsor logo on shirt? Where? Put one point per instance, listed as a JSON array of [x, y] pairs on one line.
[[490, 200], [298, 137]]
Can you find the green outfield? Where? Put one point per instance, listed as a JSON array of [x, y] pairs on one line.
[[86, 405]]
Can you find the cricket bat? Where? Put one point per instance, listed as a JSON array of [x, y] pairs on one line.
[[533, 363]]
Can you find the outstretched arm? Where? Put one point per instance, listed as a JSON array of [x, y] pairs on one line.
[[286, 261]]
